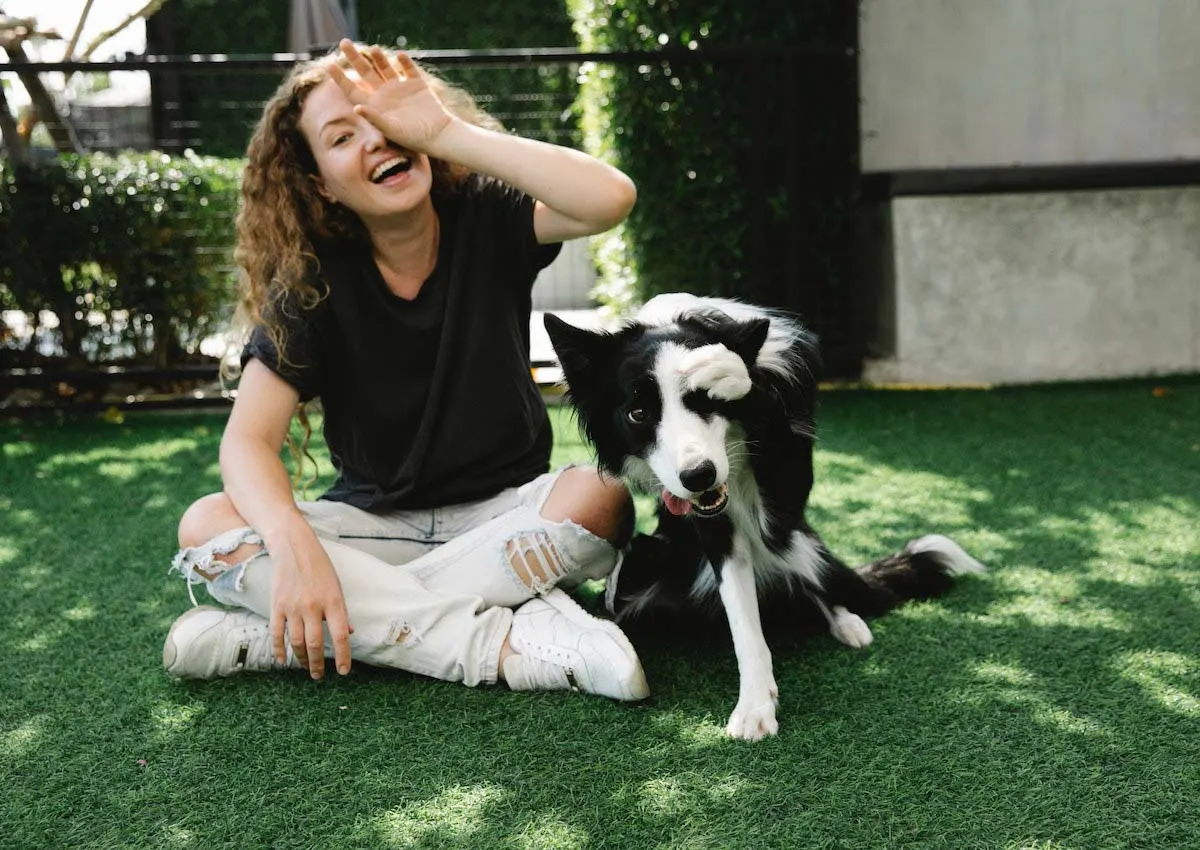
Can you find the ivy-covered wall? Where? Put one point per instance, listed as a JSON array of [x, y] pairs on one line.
[[744, 157]]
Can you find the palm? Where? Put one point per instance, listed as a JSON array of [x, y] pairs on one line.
[[394, 95]]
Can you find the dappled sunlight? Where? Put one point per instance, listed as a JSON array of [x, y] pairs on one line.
[[43, 630], [124, 470], [1170, 679], [695, 733], [19, 743], [1048, 598], [450, 817], [158, 453], [170, 718], [675, 795], [180, 836], [81, 612], [13, 451], [548, 830], [1008, 683], [855, 499]]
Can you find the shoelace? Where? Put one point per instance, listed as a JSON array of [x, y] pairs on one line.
[[187, 568], [190, 561], [255, 653], [541, 675]]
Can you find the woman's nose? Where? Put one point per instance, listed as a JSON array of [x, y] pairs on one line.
[[373, 139]]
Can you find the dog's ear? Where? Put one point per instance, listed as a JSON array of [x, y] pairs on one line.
[[746, 339], [580, 351], [743, 338]]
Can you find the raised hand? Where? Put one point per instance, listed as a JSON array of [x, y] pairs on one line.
[[393, 95]]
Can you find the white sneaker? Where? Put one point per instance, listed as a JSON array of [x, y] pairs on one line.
[[210, 643], [559, 646]]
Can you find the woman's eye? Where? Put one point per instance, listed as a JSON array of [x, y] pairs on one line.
[[636, 415], [340, 139]]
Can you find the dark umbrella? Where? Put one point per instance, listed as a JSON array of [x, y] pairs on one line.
[[317, 25]]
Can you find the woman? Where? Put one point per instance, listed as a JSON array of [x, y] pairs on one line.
[[390, 235]]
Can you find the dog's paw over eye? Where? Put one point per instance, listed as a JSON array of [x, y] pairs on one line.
[[716, 370]]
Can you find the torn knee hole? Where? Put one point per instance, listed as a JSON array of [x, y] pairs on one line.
[[534, 560]]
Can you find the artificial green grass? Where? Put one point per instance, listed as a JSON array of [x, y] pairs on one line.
[[1052, 703]]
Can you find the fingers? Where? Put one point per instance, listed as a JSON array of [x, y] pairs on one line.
[[383, 67], [339, 634], [349, 87], [372, 64], [278, 645], [307, 640], [361, 64], [408, 68], [314, 640], [296, 637]]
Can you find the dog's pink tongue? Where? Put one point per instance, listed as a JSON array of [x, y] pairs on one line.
[[674, 504]]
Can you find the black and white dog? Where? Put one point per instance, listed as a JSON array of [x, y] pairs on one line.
[[709, 403]]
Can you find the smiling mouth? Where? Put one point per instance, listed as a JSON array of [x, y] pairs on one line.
[[706, 504], [391, 168], [711, 502]]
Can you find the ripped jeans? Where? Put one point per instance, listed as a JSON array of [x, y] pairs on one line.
[[429, 591]]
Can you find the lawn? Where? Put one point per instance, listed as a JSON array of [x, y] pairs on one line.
[[1052, 703]]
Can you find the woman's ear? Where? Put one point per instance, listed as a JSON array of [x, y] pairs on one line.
[[319, 184]]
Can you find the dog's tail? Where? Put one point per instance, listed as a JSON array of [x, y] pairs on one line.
[[924, 568]]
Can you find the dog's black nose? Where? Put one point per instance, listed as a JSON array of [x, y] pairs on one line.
[[700, 477]]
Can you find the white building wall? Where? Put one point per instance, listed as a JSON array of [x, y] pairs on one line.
[[971, 83]]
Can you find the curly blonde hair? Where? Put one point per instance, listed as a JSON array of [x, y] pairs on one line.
[[282, 213]]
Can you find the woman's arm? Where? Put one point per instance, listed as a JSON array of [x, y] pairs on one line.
[[305, 591], [577, 194]]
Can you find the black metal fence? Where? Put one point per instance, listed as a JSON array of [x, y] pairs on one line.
[[802, 257]]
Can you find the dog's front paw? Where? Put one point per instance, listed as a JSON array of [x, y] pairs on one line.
[[716, 370], [850, 628], [753, 719]]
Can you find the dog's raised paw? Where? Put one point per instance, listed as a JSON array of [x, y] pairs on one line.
[[850, 628], [716, 370]]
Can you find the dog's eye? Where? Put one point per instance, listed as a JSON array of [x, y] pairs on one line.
[[636, 415]]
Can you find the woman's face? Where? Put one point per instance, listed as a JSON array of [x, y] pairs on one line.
[[357, 166]]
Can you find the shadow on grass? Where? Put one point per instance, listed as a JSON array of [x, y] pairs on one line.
[[1052, 702]]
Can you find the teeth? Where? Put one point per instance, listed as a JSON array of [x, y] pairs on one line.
[[384, 166]]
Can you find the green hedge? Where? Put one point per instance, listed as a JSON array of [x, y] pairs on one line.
[[708, 168], [141, 239]]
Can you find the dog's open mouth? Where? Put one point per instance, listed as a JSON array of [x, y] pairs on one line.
[[709, 503]]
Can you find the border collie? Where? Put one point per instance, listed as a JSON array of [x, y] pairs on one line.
[[709, 402]]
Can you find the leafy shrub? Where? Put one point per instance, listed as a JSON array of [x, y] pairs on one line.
[[141, 239]]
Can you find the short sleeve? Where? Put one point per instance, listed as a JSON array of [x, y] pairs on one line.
[[511, 210], [300, 361]]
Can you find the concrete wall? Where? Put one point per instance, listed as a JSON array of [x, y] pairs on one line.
[[979, 83], [566, 283], [1032, 287], [1043, 287]]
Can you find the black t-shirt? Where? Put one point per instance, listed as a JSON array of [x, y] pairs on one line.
[[431, 401]]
